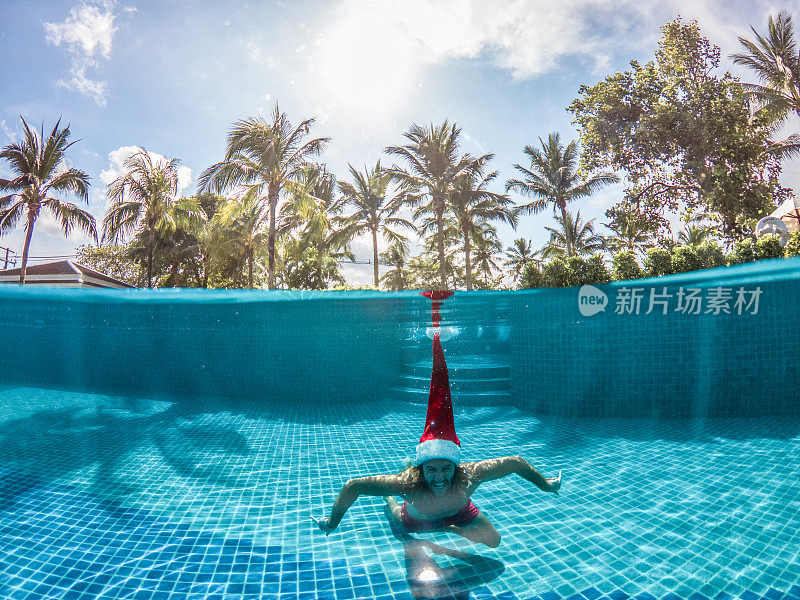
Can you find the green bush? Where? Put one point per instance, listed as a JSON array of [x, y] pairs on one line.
[[743, 251], [658, 262], [792, 248], [769, 246], [685, 259], [624, 266], [711, 255], [556, 273], [531, 277], [597, 271], [578, 270]]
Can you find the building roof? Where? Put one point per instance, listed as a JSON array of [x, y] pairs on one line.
[[63, 272], [787, 212]]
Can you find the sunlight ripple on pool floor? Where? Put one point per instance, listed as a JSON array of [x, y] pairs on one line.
[[122, 498]]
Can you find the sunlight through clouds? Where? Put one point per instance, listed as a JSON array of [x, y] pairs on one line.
[[366, 61], [526, 37]]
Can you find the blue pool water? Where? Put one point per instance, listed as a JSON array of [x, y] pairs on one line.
[[173, 445], [114, 497]]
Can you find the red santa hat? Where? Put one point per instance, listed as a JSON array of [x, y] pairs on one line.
[[439, 440]]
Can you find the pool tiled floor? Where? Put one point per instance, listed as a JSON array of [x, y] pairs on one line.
[[104, 497]]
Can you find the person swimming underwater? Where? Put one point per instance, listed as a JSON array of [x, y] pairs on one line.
[[437, 489]]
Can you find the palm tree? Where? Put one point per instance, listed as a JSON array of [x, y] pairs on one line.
[[144, 202], [39, 168], [553, 178], [518, 256], [487, 248], [241, 225], [775, 61], [375, 209], [572, 234], [434, 166], [472, 205], [313, 209], [695, 235], [261, 157], [629, 233], [396, 255]]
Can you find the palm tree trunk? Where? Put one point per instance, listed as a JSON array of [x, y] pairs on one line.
[[439, 207], [375, 256], [273, 206], [150, 252], [32, 214], [250, 254], [468, 261], [567, 234]]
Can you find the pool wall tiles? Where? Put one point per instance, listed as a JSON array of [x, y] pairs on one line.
[[673, 365], [336, 350], [352, 347]]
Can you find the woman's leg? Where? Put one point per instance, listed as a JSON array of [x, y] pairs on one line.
[[480, 531]]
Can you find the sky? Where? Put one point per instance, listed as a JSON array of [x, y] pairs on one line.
[[172, 76]]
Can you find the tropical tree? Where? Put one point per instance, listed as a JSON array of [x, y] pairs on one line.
[[518, 256], [241, 230], [572, 234], [694, 235], [775, 60], [685, 137], [630, 233], [143, 201], [434, 166], [487, 251], [260, 158], [473, 205], [40, 174], [375, 208], [399, 276], [313, 210], [553, 178]]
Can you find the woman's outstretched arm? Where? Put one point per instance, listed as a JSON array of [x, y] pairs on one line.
[[375, 485], [495, 468]]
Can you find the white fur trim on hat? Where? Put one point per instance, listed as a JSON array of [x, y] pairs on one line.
[[436, 448]]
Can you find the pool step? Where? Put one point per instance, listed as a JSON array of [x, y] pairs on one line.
[[462, 367], [487, 398], [458, 385], [474, 379]]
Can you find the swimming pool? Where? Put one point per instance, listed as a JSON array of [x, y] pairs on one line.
[[189, 466]]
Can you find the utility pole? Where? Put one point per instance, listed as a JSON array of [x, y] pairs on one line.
[[8, 259]]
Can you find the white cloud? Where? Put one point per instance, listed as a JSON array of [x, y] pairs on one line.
[[96, 90], [10, 133], [87, 32], [526, 37], [116, 167]]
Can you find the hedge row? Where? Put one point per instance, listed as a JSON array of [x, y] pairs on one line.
[[577, 270]]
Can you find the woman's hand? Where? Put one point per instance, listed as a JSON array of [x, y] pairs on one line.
[[554, 483], [324, 525]]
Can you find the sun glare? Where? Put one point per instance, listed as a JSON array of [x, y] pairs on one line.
[[366, 64]]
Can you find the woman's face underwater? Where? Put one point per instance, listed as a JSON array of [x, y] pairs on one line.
[[438, 474]]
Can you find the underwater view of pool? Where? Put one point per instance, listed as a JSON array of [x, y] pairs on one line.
[[176, 444], [119, 497]]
